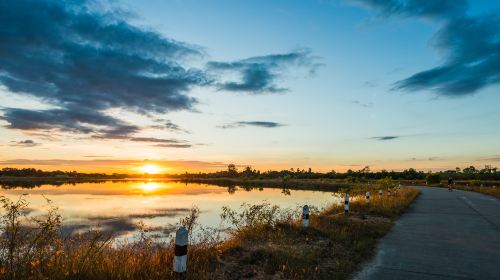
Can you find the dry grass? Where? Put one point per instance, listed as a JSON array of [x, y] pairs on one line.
[[489, 190], [493, 191], [265, 242]]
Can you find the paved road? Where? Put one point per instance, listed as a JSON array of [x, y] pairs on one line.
[[442, 236]]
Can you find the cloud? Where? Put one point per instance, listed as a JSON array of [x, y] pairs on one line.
[[126, 163], [492, 158], [363, 104], [79, 120], [264, 124], [259, 74], [168, 125], [84, 60], [469, 43], [417, 8], [385, 138], [24, 143], [174, 145], [90, 156]]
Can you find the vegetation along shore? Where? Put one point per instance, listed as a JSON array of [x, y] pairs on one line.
[[262, 241]]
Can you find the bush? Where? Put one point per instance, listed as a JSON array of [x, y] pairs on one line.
[[475, 182], [433, 178], [386, 182]]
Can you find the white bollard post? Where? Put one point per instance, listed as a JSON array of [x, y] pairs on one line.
[[181, 244], [389, 191], [368, 198], [380, 194], [346, 204], [305, 216]]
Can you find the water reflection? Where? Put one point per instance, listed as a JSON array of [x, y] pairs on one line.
[[118, 206]]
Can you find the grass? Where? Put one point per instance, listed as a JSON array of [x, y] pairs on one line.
[[264, 241], [488, 190]]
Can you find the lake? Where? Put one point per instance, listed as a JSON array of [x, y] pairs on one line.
[[118, 206]]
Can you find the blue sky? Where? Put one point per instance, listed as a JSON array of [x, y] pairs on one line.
[[342, 108]]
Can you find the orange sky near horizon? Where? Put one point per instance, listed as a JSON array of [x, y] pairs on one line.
[[181, 166]]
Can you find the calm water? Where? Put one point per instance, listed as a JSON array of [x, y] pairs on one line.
[[119, 205]]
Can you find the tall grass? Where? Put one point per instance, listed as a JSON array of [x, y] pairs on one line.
[[263, 241]]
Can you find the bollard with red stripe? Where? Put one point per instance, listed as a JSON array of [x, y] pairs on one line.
[[181, 247], [368, 198], [346, 204], [305, 216]]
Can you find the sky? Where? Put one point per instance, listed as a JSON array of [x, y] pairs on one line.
[[111, 86]]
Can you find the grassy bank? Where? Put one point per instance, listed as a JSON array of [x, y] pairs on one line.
[[488, 190], [265, 241]]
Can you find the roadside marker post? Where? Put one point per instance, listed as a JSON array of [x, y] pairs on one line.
[[305, 216], [389, 191], [346, 204], [380, 193], [368, 198], [181, 244]]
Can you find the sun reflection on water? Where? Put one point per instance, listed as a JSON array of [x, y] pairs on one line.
[[150, 186]]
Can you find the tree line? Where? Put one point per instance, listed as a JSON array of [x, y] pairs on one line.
[[468, 173], [232, 171], [38, 173]]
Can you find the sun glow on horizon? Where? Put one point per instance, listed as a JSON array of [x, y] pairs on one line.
[[150, 169]]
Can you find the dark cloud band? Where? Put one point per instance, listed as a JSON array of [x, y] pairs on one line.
[[265, 124], [258, 74], [471, 45]]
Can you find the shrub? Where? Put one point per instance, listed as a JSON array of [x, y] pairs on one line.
[[386, 182], [475, 182], [433, 178]]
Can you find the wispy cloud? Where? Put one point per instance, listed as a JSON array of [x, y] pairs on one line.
[[492, 158], [385, 138], [126, 163], [259, 74], [265, 124], [470, 44], [24, 143], [363, 104], [168, 125], [173, 145]]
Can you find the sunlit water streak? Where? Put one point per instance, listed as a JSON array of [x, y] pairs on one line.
[[118, 206]]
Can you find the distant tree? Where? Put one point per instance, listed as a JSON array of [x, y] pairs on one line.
[[247, 172], [232, 170], [469, 170]]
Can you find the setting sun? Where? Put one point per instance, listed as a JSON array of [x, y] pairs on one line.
[[150, 169]]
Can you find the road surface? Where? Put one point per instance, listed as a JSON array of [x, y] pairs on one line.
[[442, 236]]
